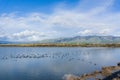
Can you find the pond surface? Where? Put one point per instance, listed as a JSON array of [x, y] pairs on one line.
[[52, 63]]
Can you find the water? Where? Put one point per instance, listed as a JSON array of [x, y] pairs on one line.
[[52, 63]]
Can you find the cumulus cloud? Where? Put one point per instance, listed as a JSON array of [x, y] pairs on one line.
[[105, 31], [97, 19], [28, 35], [102, 32], [85, 32]]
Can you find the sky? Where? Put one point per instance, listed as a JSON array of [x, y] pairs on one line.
[[35, 20]]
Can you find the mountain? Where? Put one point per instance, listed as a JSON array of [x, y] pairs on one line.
[[14, 42], [4, 42], [85, 39], [74, 40]]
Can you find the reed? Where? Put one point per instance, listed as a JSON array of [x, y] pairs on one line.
[[60, 45]]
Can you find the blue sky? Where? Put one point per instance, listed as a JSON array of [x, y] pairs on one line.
[[33, 20], [27, 6]]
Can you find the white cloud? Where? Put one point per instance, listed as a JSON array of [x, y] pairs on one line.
[[85, 32], [105, 31], [30, 35], [36, 26], [27, 33]]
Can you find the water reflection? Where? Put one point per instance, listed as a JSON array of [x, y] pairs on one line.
[[53, 63]]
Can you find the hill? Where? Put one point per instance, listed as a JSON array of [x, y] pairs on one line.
[[85, 39], [74, 40]]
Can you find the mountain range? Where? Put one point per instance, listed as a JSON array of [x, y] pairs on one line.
[[74, 40], [85, 39]]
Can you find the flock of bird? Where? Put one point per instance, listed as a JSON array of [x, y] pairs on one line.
[[66, 56]]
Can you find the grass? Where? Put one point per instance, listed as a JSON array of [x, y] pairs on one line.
[[60, 45]]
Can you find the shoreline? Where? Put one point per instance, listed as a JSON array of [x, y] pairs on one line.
[[60, 45], [106, 73]]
